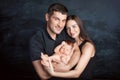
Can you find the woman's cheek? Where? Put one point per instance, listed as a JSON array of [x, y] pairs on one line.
[[69, 34]]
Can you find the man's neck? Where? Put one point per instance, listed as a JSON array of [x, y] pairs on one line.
[[52, 35]]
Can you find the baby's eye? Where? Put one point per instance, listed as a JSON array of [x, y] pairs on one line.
[[67, 49]]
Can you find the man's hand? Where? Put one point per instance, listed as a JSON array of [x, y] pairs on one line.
[[50, 69], [45, 60]]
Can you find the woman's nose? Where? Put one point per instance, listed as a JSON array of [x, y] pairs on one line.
[[71, 30]]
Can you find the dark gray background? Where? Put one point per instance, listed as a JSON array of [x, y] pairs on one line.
[[19, 19]]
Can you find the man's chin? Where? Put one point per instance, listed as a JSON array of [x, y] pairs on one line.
[[58, 32]]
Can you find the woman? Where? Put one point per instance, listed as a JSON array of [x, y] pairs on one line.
[[75, 29]]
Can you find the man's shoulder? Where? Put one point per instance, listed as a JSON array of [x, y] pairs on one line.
[[37, 35]]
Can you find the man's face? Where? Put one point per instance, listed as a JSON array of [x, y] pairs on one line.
[[56, 22]]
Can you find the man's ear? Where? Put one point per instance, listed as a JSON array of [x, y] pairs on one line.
[[47, 16]]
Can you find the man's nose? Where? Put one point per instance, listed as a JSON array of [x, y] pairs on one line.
[[60, 24]]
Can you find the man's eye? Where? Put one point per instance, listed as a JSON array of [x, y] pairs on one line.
[[56, 18], [64, 21]]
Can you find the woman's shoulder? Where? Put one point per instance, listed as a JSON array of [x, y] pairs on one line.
[[89, 47]]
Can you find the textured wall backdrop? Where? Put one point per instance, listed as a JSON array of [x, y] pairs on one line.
[[19, 19]]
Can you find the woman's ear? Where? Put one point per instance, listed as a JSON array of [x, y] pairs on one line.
[[47, 16]]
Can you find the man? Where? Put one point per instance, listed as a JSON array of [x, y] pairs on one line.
[[48, 38]]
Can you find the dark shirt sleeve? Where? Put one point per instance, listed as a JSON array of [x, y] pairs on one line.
[[35, 47]]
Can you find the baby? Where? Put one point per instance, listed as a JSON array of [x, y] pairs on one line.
[[63, 52]]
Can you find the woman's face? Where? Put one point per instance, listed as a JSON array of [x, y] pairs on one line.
[[72, 28]]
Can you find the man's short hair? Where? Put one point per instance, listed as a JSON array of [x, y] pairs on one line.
[[57, 7]]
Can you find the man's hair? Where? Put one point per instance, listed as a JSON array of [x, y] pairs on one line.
[[57, 7]]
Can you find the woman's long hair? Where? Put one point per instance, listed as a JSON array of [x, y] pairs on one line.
[[79, 22]]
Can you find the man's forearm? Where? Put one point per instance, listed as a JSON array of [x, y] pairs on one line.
[[42, 73]]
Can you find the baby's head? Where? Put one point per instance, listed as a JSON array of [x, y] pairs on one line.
[[67, 47]]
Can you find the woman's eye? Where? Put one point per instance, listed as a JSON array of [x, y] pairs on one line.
[[68, 28], [74, 26]]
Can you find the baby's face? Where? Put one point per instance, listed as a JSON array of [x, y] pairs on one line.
[[66, 49]]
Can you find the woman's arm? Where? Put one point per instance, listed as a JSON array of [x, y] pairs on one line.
[[74, 58], [87, 51]]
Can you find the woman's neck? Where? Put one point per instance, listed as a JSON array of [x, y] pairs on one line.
[[79, 40]]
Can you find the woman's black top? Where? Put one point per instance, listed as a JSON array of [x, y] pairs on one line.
[[87, 74]]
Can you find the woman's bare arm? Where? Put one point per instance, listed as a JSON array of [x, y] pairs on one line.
[[87, 51]]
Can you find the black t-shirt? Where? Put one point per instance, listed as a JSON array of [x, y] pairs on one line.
[[42, 42]]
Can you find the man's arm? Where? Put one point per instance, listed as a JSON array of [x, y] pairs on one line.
[[40, 70], [36, 46]]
